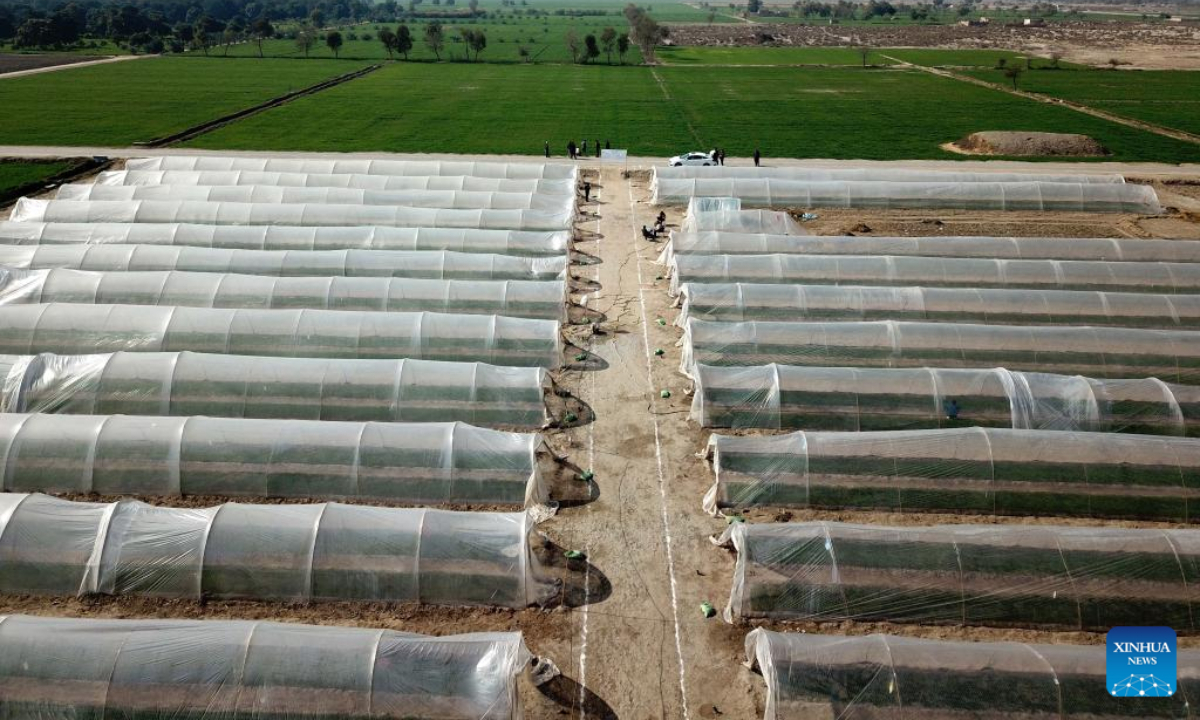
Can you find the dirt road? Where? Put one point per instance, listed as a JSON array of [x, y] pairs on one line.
[[65, 66]]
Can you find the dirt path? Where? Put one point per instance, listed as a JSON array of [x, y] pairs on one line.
[[71, 66]]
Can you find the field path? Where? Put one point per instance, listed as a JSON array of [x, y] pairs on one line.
[[70, 66]]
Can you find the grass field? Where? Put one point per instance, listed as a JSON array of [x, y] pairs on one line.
[[15, 173], [811, 112], [1169, 98], [691, 55], [120, 103]]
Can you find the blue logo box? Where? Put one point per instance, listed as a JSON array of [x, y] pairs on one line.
[[1141, 662]]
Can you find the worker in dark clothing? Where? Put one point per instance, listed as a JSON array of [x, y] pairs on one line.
[[571, 149], [757, 157], [583, 148], [547, 148], [607, 145], [721, 157], [951, 408], [597, 148], [587, 190]]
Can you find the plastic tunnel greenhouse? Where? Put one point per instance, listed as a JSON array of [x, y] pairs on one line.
[[968, 470], [360, 182], [512, 298], [854, 399], [742, 221], [241, 670], [234, 213], [71, 328], [412, 463], [452, 199], [899, 678], [294, 553], [1101, 352], [1034, 576], [427, 264], [715, 242], [286, 237], [1027, 196], [738, 302], [485, 169], [1149, 277], [875, 174], [184, 384]]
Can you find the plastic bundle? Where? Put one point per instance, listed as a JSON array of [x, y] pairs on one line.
[[1075, 578], [744, 221], [511, 298], [413, 463], [361, 182], [284, 237], [1102, 352], [234, 213], [738, 302], [714, 242], [238, 670], [891, 678], [71, 328], [1006, 196], [1147, 277], [454, 199], [879, 174], [853, 399], [184, 384], [486, 169], [967, 470], [293, 553], [430, 264]]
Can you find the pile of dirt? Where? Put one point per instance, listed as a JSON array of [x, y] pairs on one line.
[[1028, 144]]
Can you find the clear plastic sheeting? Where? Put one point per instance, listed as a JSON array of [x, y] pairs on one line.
[[738, 302], [878, 174], [339, 166], [742, 221], [294, 553], [968, 471], [1101, 352], [240, 670], [72, 328], [899, 678], [852, 399], [428, 264], [713, 242], [360, 182], [454, 199], [526, 243], [512, 298], [1034, 576], [713, 204], [1028, 196], [1147, 277], [184, 384], [412, 463], [234, 213]]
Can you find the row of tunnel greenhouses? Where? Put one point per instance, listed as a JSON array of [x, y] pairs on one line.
[[280, 382], [946, 430]]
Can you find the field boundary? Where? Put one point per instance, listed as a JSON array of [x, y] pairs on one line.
[[84, 166], [211, 125]]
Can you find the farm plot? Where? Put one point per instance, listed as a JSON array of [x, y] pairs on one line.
[[16, 173]]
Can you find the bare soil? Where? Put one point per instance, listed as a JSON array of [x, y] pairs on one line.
[[16, 62], [1028, 144]]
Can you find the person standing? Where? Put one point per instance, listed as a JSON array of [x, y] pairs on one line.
[[607, 145], [571, 149], [757, 157], [597, 147], [587, 190], [583, 149], [721, 159], [547, 148]]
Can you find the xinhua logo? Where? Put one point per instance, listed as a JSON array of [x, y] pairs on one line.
[[1141, 662]]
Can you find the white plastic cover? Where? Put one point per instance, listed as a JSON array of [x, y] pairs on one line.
[[294, 553], [235, 213], [412, 463], [430, 264], [737, 302], [71, 328], [284, 237], [183, 384], [1101, 352], [512, 298], [239, 670], [486, 169], [361, 182], [878, 174], [857, 399], [989, 471], [742, 221], [1148, 277], [894, 678], [456, 199], [1030, 196], [1077, 578]]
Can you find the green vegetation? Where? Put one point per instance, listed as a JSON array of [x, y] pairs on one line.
[[770, 56], [934, 57], [121, 103], [15, 173]]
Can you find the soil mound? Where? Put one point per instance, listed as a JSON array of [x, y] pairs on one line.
[[1029, 144]]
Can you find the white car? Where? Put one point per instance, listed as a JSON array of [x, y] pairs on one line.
[[701, 159]]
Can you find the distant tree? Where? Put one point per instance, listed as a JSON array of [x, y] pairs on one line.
[[261, 29], [306, 37], [474, 5], [1013, 72], [591, 49], [317, 18], [622, 47], [523, 53], [387, 38], [1001, 63], [435, 39], [334, 41], [404, 41], [608, 39], [646, 31], [232, 34], [753, 6], [573, 47], [184, 32], [204, 33], [477, 42], [864, 53]]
